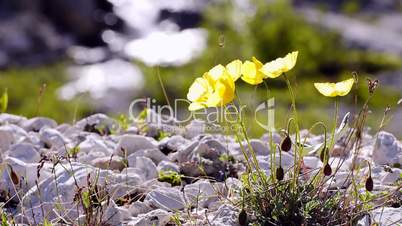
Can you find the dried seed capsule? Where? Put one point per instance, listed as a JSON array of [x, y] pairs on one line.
[[327, 170], [14, 177], [286, 144], [280, 173], [243, 218], [369, 184]]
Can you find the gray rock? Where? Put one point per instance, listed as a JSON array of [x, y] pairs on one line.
[[95, 143], [99, 121], [129, 144], [138, 207], [25, 152], [37, 123], [145, 165], [225, 215], [112, 163], [166, 166], [172, 144], [200, 194], [52, 138], [115, 215], [170, 199], [63, 189], [7, 138], [387, 216], [11, 119], [387, 149], [154, 154], [156, 217]]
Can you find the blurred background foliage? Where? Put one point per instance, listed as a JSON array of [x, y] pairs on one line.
[[272, 30]]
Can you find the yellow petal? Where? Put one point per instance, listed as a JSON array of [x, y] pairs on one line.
[[195, 106], [216, 72], [274, 68], [343, 88], [250, 73], [257, 63], [198, 89], [335, 89], [327, 89], [223, 93], [278, 66], [290, 61], [234, 69]]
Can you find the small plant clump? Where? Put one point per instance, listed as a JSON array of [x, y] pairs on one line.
[[170, 176], [287, 196]]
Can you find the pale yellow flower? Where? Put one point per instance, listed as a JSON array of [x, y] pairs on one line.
[[251, 72], [335, 89], [281, 65], [216, 88]]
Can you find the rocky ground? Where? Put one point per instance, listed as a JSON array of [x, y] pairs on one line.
[[46, 166]]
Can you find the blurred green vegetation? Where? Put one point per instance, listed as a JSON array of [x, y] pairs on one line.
[[24, 87], [269, 31]]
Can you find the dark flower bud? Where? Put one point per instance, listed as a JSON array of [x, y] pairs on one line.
[[280, 173], [14, 177], [369, 184], [327, 170], [243, 218], [286, 144]]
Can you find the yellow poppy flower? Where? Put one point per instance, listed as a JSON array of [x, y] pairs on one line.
[[211, 90], [335, 89], [251, 72], [276, 67]]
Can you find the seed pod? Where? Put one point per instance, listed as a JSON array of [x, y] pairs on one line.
[[327, 170], [280, 173], [369, 184], [286, 144], [243, 218], [14, 177]]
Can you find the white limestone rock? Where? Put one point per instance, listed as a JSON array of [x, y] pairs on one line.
[[158, 217], [145, 165], [129, 144], [387, 149], [37, 123], [25, 152], [170, 199]]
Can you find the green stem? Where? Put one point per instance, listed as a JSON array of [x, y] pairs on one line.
[[296, 122], [332, 143]]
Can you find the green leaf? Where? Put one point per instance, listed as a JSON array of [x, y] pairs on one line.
[[4, 220], [4, 101], [85, 199], [46, 222]]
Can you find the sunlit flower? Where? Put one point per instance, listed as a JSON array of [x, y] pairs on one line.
[[216, 88], [335, 89], [281, 65], [251, 72]]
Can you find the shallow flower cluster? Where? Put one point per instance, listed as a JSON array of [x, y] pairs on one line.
[[217, 86]]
